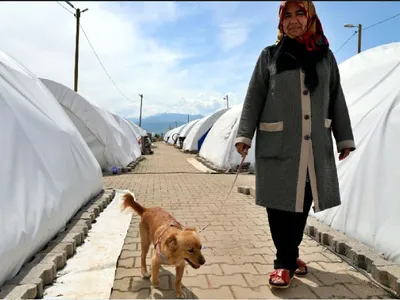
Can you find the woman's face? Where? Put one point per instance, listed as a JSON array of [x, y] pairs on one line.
[[294, 21]]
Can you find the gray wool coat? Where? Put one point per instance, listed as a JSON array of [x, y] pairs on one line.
[[294, 133]]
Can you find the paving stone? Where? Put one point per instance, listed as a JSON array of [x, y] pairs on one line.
[[85, 216], [221, 293], [70, 237], [238, 269], [25, 291], [238, 246], [142, 294], [218, 281], [58, 259]]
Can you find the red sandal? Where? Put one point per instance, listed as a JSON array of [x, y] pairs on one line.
[[282, 274], [302, 268]]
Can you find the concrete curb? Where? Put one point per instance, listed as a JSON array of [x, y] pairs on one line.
[[129, 168], [211, 166], [42, 269], [385, 272]]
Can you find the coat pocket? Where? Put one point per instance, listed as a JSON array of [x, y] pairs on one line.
[[270, 140]]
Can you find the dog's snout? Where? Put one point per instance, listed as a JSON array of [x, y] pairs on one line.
[[202, 261]]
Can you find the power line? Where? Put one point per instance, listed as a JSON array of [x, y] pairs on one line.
[[346, 42], [368, 27], [95, 53], [65, 8], [380, 22], [98, 58]]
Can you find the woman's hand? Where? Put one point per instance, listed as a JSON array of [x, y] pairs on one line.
[[242, 149], [344, 153]]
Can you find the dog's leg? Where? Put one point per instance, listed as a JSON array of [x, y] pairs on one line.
[[145, 244], [178, 281], [155, 270]]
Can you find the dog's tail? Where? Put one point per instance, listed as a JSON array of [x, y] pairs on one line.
[[129, 201]]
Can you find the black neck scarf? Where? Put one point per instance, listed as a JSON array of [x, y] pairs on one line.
[[292, 55]]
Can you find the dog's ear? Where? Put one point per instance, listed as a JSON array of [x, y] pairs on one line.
[[171, 241], [190, 229]]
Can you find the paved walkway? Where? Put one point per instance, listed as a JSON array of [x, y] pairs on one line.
[[239, 250]]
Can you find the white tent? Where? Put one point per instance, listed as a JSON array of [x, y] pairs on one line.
[[99, 128], [174, 135], [219, 146], [199, 131], [369, 178], [185, 131], [139, 131], [166, 135], [49, 172], [131, 139]]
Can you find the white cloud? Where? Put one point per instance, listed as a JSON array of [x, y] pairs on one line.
[[232, 35], [41, 35]]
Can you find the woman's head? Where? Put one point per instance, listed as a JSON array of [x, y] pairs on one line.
[[298, 20], [293, 19]]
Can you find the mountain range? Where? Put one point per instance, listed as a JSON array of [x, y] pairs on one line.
[[161, 123]]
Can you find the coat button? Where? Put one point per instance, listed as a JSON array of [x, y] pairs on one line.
[[306, 117], [307, 137], [305, 92]]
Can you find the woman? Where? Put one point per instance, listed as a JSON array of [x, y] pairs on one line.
[[295, 100]]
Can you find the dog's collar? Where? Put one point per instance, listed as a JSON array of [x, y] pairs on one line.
[[158, 246]]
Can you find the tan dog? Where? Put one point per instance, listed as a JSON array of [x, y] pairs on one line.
[[173, 244]]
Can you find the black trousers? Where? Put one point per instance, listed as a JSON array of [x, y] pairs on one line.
[[287, 232]]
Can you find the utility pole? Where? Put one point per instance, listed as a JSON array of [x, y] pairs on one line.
[[227, 101], [77, 15], [359, 37], [359, 34], [140, 116]]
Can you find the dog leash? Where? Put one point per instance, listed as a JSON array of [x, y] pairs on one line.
[[227, 196]]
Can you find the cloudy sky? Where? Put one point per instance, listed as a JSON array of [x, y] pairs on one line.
[[183, 56]]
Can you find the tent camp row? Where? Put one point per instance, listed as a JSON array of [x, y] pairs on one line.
[[368, 178], [212, 137], [55, 145]]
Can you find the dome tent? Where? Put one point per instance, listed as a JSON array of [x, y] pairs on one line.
[[199, 131], [219, 146], [101, 131], [132, 141], [174, 135], [369, 178], [49, 171]]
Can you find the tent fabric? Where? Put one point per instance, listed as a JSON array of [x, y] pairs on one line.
[[219, 145], [131, 139], [99, 128], [187, 128], [175, 135], [199, 129], [369, 178], [139, 132], [49, 172]]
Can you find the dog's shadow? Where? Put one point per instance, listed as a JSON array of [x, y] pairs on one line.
[[165, 290]]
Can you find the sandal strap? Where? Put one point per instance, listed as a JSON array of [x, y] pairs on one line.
[[300, 263], [281, 274]]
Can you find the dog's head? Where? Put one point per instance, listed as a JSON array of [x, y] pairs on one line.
[[186, 244]]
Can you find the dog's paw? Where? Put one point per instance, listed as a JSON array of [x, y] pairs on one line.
[[180, 295], [145, 275]]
